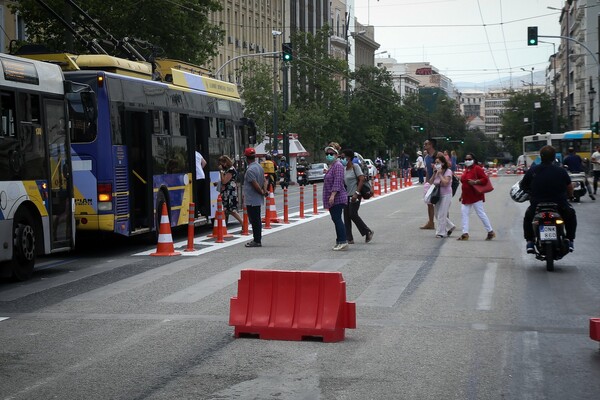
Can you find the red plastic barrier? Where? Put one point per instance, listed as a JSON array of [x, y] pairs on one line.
[[292, 305], [595, 329]]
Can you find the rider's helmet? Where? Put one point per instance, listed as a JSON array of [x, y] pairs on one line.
[[268, 157], [282, 158], [517, 194], [302, 159]]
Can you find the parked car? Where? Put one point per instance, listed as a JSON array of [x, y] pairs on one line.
[[371, 166], [317, 171]]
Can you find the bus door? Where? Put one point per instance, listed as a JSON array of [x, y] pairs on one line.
[[199, 131], [61, 212], [138, 133]]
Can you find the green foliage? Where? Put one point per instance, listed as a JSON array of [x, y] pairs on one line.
[[257, 92], [521, 106], [177, 30]]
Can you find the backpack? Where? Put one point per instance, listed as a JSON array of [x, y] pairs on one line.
[[455, 183]]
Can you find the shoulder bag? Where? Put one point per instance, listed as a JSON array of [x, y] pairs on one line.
[[365, 190], [484, 188]]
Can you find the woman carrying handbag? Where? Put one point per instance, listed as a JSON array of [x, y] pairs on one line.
[[442, 177], [471, 198]]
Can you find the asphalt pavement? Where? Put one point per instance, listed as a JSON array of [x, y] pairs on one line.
[[436, 318]]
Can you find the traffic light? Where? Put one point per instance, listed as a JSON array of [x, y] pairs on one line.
[[532, 36], [421, 128], [595, 127], [287, 54]]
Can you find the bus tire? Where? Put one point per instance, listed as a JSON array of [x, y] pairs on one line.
[[24, 249]]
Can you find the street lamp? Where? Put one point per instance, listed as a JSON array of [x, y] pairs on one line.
[[531, 77], [592, 96], [275, 146]]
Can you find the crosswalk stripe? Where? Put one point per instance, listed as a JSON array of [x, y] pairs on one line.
[[385, 290], [216, 282], [3, 318], [484, 301]]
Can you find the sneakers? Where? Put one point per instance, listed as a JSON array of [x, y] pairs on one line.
[[451, 230], [369, 236], [440, 236], [464, 236], [592, 197], [253, 244], [340, 247], [571, 245], [490, 235], [530, 248], [428, 225]]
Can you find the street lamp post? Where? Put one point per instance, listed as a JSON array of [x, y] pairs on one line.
[[592, 97], [532, 101], [554, 99], [275, 128]]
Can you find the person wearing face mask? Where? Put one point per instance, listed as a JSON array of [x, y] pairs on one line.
[[354, 179], [472, 199], [442, 176], [335, 196], [229, 192]]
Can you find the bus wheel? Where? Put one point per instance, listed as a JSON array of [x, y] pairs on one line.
[[23, 247]]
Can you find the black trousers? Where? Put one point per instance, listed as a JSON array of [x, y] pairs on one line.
[[255, 221], [351, 215], [566, 211]]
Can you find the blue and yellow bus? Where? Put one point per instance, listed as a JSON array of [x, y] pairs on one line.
[[38, 108], [532, 145], [141, 152], [581, 142]]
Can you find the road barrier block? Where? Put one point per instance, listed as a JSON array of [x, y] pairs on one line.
[[292, 305], [595, 329]]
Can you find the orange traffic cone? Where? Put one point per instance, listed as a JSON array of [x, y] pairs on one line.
[[165, 246], [245, 231], [220, 227], [271, 211]]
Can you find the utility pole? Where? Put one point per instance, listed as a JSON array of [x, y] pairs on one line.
[[275, 128]]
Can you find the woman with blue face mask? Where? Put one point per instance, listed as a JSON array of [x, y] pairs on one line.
[[354, 179], [335, 196]]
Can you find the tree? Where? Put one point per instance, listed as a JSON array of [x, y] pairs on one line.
[[257, 92], [178, 31], [522, 118]]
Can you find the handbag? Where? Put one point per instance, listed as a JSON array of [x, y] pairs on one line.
[[455, 184], [484, 188], [365, 190], [432, 194]]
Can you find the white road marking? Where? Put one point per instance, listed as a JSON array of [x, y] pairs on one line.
[[385, 290], [211, 285], [484, 302], [3, 318], [533, 374]]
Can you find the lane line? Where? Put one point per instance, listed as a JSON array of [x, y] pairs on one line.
[[484, 303], [386, 289], [209, 286], [533, 375], [3, 318]]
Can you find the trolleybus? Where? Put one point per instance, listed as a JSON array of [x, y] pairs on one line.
[[581, 142], [533, 143], [36, 202]]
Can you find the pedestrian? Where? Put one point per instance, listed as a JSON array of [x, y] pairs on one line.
[[472, 175], [335, 197], [229, 192], [596, 167], [404, 164], [453, 161], [420, 167], [354, 178], [254, 195], [574, 165], [443, 177], [430, 153]]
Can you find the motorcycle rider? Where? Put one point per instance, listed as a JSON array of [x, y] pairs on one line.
[[284, 168], [547, 182], [574, 164], [302, 166], [269, 168]]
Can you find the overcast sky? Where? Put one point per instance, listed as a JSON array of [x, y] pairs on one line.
[[467, 40]]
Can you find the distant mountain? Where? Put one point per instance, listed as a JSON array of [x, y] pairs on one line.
[[539, 78]]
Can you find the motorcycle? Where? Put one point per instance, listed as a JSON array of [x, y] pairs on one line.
[[284, 180], [579, 185], [270, 179], [301, 177], [549, 229]]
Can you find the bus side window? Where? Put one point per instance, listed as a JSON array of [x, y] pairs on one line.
[[10, 163]]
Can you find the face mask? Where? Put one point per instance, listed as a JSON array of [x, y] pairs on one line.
[[468, 163], [438, 166], [330, 158], [344, 162]]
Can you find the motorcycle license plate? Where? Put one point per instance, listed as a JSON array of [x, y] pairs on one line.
[[547, 233]]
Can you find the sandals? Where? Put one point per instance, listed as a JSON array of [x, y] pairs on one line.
[[464, 236]]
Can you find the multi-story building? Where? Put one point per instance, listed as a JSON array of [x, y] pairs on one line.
[[472, 103], [404, 83], [13, 26]]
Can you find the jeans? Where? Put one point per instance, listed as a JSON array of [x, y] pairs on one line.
[[420, 172], [336, 216], [566, 212], [255, 221], [350, 216]]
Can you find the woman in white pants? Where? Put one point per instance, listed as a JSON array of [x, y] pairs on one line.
[[443, 177], [472, 199]]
